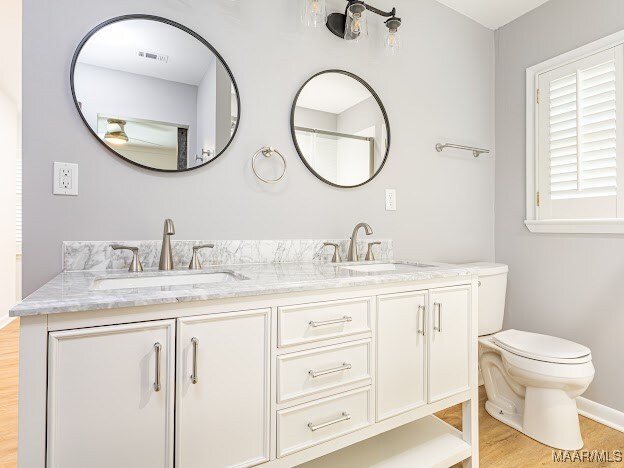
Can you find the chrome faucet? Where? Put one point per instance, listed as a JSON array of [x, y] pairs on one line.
[[353, 250], [166, 258]]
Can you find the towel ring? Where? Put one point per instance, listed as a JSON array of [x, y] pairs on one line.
[[267, 152]]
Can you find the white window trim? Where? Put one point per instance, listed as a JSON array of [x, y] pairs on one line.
[[559, 226]]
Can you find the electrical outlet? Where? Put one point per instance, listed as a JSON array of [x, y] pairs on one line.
[[65, 179], [391, 203]]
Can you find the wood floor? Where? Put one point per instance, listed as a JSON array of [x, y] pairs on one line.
[[9, 346], [500, 446]]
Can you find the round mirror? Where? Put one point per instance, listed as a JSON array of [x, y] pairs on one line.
[[340, 128], [155, 93]]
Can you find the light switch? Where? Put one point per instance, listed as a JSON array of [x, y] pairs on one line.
[[65, 179], [391, 203]]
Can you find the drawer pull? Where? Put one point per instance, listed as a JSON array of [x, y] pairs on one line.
[[330, 322], [421, 320], [345, 417], [195, 342], [314, 374], [157, 348]]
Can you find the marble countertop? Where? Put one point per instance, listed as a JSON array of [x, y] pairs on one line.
[[77, 291]]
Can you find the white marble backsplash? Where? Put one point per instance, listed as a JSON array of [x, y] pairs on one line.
[[97, 255]]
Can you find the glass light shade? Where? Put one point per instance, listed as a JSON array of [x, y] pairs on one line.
[[314, 13], [392, 42], [356, 26]]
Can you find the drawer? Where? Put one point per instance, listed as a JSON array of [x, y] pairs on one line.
[[306, 425], [322, 369], [323, 320]]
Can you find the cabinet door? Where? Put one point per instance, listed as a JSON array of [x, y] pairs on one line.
[[400, 353], [223, 393], [110, 396], [449, 346]]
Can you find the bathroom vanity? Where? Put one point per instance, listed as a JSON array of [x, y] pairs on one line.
[[249, 364]]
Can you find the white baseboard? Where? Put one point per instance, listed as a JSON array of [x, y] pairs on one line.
[[603, 414], [4, 321]]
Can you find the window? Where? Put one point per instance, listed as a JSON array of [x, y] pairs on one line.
[[575, 141]]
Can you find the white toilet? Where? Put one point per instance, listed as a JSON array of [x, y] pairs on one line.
[[531, 380]]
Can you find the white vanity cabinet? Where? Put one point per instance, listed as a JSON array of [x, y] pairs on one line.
[[449, 333], [110, 396], [401, 321], [276, 380], [423, 348], [222, 385]]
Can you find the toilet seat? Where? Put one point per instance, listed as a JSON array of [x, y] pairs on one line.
[[543, 348]]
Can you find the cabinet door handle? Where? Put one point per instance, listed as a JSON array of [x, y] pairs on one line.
[[438, 306], [345, 366], [195, 343], [157, 349], [315, 427], [421, 320], [330, 322]]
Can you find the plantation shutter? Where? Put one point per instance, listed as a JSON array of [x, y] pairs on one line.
[[579, 163]]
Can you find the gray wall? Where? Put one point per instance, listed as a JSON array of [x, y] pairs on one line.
[[441, 88], [566, 285]]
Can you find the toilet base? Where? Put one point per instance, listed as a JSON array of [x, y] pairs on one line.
[[549, 418], [511, 419]]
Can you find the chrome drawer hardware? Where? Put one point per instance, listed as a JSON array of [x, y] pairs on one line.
[[345, 417], [421, 320], [157, 348], [330, 322], [439, 307], [195, 342], [345, 366]]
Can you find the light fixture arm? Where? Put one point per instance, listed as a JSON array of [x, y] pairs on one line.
[[385, 14], [336, 21]]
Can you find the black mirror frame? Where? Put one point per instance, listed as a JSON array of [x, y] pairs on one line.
[[170, 23], [383, 111]]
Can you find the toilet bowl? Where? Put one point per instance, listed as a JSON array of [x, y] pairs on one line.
[[532, 391], [531, 380]]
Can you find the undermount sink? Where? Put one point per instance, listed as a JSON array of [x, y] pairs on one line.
[[380, 267], [193, 279]]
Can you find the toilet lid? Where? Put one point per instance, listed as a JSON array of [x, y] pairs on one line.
[[541, 347]]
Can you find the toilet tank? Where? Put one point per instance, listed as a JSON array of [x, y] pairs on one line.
[[492, 291]]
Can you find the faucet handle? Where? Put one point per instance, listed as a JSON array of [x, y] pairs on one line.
[[195, 263], [135, 264], [336, 258], [369, 254]]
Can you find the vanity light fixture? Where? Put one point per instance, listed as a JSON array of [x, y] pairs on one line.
[[115, 132], [314, 13], [353, 24], [392, 38]]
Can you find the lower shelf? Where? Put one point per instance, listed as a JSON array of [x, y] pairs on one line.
[[427, 442]]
